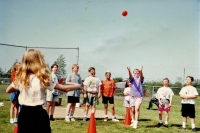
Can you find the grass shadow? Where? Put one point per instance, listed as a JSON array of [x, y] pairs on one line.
[[144, 119]]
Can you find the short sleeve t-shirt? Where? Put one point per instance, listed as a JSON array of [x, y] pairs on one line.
[[34, 94], [74, 78], [136, 87], [127, 90], [190, 91], [92, 84], [108, 88], [165, 93]]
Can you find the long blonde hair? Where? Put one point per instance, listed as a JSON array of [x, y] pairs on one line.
[[33, 63], [14, 70]]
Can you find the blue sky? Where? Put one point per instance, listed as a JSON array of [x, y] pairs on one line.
[[160, 35]]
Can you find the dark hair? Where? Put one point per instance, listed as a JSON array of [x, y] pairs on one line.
[[91, 68], [192, 79], [108, 72], [166, 79], [54, 65]]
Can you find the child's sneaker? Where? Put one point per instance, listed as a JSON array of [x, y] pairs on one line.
[[182, 128], [166, 125], [15, 120], [115, 119], [84, 118], [132, 124], [72, 119], [194, 129], [11, 121], [159, 124], [67, 119], [106, 119]]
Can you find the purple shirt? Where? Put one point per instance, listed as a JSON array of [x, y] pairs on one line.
[[136, 87]]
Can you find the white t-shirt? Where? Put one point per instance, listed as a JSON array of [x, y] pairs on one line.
[[92, 84], [127, 90], [34, 94], [165, 93], [190, 91]]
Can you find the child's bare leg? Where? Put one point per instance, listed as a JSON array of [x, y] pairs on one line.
[[166, 117]]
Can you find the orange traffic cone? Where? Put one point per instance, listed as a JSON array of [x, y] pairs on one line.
[[92, 124], [127, 120], [15, 129]]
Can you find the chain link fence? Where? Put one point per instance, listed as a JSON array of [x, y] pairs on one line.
[[9, 54]]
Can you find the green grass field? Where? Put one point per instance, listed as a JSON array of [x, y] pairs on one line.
[[147, 122]]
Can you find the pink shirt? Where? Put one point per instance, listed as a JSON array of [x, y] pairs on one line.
[[34, 94]]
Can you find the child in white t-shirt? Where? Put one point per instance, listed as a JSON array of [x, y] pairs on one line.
[[165, 100], [127, 98], [188, 95]]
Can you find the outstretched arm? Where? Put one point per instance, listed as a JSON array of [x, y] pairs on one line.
[[11, 89], [67, 88], [130, 74], [141, 74]]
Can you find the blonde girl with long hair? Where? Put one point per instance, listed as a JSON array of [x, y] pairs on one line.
[[31, 80]]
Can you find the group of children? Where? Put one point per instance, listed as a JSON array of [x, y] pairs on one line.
[[33, 78], [188, 94]]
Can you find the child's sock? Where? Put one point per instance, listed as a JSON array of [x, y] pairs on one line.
[[106, 115], [193, 125], [135, 124], [85, 115], [160, 121], [184, 124], [166, 122]]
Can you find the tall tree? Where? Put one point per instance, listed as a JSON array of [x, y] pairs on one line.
[[61, 66]]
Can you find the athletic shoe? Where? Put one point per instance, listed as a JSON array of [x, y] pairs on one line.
[[106, 119], [194, 129], [182, 128], [52, 119], [166, 125], [67, 119], [159, 124], [84, 118], [15, 120], [132, 124], [11, 121], [115, 119], [72, 119]]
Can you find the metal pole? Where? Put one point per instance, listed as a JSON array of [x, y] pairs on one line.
[[78, 55]]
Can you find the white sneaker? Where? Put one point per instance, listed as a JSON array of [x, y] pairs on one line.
[[132, 124], [72, 119], [11, 121], [67, 119], [15, 120], [115, 120]]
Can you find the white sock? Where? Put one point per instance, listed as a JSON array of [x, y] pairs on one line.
[[135, 124], [85, 115], [113, 117], [193, 125], [106, 115], [166, 122], [184, 124], [160, 121]]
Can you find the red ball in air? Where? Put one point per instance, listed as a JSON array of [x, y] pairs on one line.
[[124, 13]]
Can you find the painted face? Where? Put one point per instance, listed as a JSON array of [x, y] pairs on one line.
[[75, 69], [188, 81], [136, 73], [92, 72], [55, 69], [165, 82], [108, 75]]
